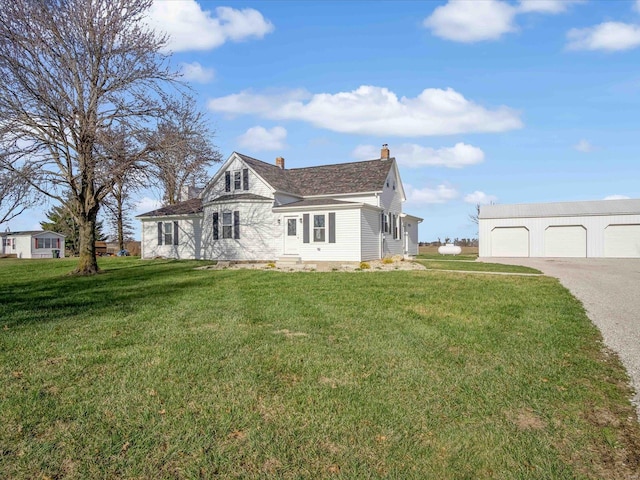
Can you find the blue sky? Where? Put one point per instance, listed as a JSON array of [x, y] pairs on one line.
[[479, 100]]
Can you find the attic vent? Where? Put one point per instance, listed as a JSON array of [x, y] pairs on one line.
[[384, 153]]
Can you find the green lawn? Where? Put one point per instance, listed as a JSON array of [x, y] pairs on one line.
[[468, 257], [470, 266], [155, 370]]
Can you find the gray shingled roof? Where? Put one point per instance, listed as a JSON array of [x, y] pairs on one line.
[[241, 196], [191, 206], [352, 177], [314, 202], [562, 209]]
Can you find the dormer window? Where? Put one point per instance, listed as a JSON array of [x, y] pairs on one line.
[[240, 180]]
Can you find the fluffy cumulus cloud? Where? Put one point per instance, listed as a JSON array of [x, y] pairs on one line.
[[420, 196], [191, 28], [194, 72], [480, 198], [414, 156], [474, 21], [464, 21], [259, 139], [607, 36], [584, 146], [146, 204], [371, 110], [616, 197], [546, 6]]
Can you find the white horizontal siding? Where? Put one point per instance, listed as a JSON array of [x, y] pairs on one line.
[[595, 226], [258, 233], [411, 239], [217, 189], [370, 234], [347, 247], [189, 239]]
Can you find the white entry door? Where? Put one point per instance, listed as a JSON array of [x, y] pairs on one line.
[[290, 235]]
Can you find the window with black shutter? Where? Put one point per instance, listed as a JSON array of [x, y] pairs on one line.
[[227, 181], [332, 227], [305, 228], [245, 179]]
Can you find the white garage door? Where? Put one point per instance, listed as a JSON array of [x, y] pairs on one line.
[[622, 241], [510, 242], [565, 241]]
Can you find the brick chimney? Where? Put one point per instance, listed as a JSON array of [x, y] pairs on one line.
[[384, 153], [280, 162]]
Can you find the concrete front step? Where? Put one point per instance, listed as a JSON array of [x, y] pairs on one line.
[[288, 261]]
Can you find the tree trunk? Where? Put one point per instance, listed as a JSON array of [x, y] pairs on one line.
[[87, 264], [120, 223]]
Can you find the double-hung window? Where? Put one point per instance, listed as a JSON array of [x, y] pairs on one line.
[[227, 225], [318, 228], [237, 180], [167, 233]]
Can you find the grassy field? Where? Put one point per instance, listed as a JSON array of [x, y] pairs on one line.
[[471, 266], [155, 370]]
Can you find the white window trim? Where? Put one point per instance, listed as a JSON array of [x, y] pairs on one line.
[[323, 228], [223, 225]]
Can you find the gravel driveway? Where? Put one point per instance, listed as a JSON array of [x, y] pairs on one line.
[[609, 289]]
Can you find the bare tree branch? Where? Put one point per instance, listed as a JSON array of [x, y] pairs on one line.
[[72, 70]]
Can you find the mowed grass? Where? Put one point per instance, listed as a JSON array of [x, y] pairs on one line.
[[470, 266], [155, 370]]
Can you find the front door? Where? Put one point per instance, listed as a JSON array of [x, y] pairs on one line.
[[290, 235]]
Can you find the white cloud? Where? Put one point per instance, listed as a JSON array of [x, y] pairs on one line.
[[584, 146], [546, 6], [480, 198], [472, 21], [260, 139], [195, 72], [146, 204], [636, 6], [608, 36], [440, 194], [371, 110], [616, 197], [414, 156], [191, 28]]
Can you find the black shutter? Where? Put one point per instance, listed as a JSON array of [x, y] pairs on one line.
[[227, 181], [160, 233], [215, 226], [236, 224], [245, 179], [382, 222], [305, 228], [175, 233], [400, 228], [332, 227]]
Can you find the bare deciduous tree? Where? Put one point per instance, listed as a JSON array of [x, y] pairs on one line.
[[16, 194], [72, 70], [181, 149]]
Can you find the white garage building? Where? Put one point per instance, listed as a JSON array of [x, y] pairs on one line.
[[604, 228]]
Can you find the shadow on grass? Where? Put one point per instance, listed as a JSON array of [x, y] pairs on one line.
[[122, 286]]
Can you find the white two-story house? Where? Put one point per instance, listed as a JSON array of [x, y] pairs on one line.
[[255, 211]]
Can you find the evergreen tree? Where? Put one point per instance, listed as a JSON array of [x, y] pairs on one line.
[[61, 219]]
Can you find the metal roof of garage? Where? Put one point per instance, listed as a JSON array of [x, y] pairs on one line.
[[629, 206]]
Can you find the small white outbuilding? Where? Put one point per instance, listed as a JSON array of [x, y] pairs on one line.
[[32, 244], [603, 228]]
